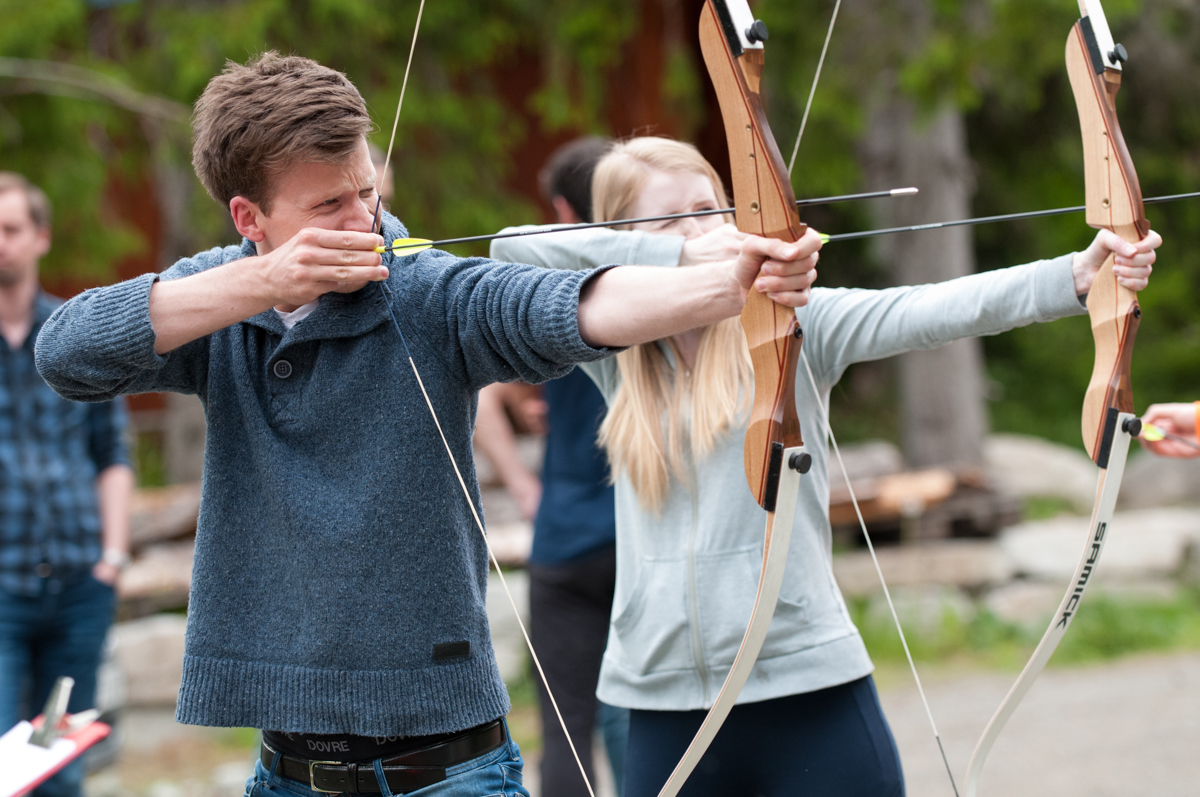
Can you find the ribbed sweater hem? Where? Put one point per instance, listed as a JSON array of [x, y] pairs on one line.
[[283, 697]]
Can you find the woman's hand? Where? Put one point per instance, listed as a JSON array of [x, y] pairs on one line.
[[721, 243], [1132, 266], [1172, 419], [783, 271]]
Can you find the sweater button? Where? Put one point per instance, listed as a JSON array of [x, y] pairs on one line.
[[282, 369]]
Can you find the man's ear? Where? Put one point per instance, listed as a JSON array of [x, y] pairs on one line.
[[247, 217], [43, 239]]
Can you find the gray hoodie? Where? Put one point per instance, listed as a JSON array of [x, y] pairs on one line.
[[686, 579]]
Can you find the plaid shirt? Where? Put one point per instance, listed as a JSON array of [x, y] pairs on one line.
[[51, 451]]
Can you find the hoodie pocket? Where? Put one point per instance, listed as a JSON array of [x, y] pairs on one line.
[[652, 627], [727, 584]]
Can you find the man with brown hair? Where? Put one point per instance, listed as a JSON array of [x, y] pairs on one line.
[[338, 590], [65, 487]]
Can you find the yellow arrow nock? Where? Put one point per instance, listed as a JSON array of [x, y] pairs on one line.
[[406, 246], [1152, 433]]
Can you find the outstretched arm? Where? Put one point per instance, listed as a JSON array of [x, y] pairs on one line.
[[630, 305]]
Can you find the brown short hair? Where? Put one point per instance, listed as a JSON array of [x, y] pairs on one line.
[[39, 205], [253, 121]]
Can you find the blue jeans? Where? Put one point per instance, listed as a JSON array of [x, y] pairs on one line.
[[494, 774], [59, 632]]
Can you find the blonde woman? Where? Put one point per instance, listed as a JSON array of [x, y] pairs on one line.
[[689, 534]]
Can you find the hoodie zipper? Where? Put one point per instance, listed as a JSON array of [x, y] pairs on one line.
[[693, 596]]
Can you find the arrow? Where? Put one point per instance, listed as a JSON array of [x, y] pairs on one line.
[[421, 243]]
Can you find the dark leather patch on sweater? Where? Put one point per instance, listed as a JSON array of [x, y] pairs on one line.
[[451, 650]]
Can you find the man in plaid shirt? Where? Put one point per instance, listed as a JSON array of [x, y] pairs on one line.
[[65, 487]]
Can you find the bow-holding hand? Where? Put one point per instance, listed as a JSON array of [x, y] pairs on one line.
[[783, 271], [1131, 267], [637, 304]]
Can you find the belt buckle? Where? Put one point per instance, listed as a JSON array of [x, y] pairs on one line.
[[312, 783]]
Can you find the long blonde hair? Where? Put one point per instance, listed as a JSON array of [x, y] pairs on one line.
[[646, 426]]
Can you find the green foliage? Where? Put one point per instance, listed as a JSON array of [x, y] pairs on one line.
[[148, 460], [1042, 507], [451, 160], [1106, 627], [999, 61]]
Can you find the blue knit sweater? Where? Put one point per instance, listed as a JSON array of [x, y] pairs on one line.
[[339, 578]]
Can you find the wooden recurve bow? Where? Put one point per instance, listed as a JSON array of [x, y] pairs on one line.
[[1114, 202], [731, 40]]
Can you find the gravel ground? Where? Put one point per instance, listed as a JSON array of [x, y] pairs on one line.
[[1130, 727]]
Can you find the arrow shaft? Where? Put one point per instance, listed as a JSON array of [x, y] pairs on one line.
[[1032, 214], [828, 200]]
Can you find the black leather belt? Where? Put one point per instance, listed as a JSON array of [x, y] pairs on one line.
[[404, 773]]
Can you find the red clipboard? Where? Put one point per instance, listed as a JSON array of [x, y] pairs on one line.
[[25, 766]]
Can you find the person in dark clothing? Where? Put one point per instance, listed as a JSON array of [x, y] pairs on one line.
[[65, 488], [572, 568]]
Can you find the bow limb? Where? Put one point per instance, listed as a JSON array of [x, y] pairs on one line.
[[731, 41], [1108, 487], [1114, 202], [775, 549]]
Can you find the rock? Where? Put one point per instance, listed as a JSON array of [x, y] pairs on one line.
[[507, 640], [922, 609], [1152, 481], [1025, 602], [159, 578], [229, 779], [511, 542], [968, 564], [163, 513], [1030, 466], [149, 652], [165, 788], [106, 784], [1140, 544]]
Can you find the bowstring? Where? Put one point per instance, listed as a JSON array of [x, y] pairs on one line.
[[824, 413], [875, 560], [813, 91], [376, 224], [446, 443]]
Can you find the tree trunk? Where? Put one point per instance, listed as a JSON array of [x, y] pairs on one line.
[[943, 414]]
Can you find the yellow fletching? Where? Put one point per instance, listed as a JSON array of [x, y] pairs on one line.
[[1152, 433], [406, 246]]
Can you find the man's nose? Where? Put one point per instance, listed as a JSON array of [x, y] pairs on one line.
[[362, 216]]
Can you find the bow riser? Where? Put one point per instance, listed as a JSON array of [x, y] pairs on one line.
[[1114, 202], [760, 188]]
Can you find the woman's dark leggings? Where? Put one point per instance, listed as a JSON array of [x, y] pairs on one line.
[[833, 742]]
